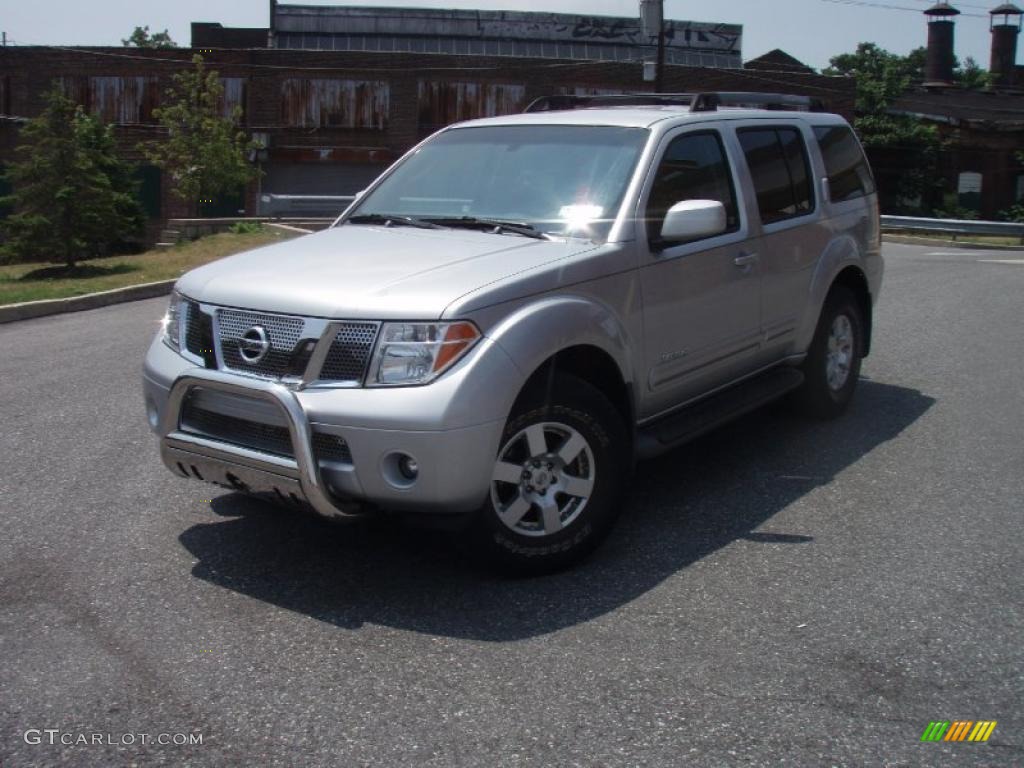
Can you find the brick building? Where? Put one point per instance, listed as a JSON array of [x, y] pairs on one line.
[[333, 117], [983, 131]]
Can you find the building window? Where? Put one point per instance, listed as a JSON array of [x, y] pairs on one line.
[[322, 103], [120, 100], [444, 103], [968, 190], [234, 96]]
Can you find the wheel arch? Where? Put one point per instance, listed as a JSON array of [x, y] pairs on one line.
[[574, 336], [841, 264], [852, 278], [594, 366]]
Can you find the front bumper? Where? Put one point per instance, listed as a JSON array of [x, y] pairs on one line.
[[453, 447]]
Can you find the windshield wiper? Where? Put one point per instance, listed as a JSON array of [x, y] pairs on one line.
[[388, 219], [498, 226]]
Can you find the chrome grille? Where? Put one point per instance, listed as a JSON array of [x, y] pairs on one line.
[[283, 332], [349, 353]]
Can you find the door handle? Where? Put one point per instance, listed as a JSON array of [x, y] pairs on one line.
[[745, 260]]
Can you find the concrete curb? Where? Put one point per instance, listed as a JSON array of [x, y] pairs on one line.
[[911, 240], [30, 309], [289, 228]]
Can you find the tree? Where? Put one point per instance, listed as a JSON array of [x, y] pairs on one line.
[[205, 153], [73, 198], [141, 38], [973, 76]]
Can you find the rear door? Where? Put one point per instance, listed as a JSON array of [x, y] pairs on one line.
[[794, 228], [701, 298]]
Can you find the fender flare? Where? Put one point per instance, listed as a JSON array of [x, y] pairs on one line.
[[536, 332], [841, 253]]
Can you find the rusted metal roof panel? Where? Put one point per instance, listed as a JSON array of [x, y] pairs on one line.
[[442, 103], [335, 103]]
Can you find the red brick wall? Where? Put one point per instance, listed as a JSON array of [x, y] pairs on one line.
[[30, 70]]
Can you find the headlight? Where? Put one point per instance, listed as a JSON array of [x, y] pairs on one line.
[[172, 322], [415, 353]]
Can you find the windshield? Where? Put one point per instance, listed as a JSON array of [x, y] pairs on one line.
[[559, 179]]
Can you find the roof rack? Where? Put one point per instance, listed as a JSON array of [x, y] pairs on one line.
[[697, 102], [709, 102]]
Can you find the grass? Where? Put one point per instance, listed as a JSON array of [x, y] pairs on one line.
[[32, 282], [996, 240]]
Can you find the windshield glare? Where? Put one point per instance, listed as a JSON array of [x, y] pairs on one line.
[[560, 179]]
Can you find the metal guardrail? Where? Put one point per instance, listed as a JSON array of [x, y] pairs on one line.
[[954, 227], [314, 206], [293, 206]]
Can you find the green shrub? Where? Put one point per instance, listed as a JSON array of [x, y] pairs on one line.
[[246, 227]]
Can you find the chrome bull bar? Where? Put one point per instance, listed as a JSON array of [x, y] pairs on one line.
[[243, 469]]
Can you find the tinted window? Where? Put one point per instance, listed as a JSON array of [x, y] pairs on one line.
[[694, 167], [778, 166], [849, 175]]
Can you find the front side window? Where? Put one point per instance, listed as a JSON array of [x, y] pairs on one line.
[[559, 179], [849, 175], [694, 167], [778, 165]]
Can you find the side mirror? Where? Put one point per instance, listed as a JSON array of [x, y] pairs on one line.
[[694, 219]]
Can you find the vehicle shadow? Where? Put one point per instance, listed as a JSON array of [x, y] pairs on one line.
[[683, 506]]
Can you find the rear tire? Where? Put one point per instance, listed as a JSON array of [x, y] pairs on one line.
[[832, 366], [556, 485]]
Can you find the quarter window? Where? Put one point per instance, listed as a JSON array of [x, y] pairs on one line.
[[849, 175], [694, 167], [778, 166]]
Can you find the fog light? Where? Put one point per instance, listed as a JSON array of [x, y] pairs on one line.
[[408, 467]]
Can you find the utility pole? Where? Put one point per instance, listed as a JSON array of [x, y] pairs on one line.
[[660, 77], [652, 23]]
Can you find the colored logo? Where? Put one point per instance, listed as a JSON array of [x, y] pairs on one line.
[[958, 730]]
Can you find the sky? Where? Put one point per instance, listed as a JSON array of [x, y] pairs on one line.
[[811, 30]]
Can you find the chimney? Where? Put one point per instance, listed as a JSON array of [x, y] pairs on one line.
[[1006, 21], [939, 68]]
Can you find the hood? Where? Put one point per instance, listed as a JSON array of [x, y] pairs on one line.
[[372, 272]]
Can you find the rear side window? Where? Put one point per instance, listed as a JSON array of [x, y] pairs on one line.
[[777, 159], [849, 175], [694, 167]]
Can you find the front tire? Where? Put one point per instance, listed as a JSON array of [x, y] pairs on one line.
[[556, 481], [832, 366]]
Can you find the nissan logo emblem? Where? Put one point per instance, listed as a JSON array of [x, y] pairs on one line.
[[253, 345]]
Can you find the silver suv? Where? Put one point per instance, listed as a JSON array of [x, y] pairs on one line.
[[523, 306]]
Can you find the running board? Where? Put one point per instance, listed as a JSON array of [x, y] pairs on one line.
[[711, 412]]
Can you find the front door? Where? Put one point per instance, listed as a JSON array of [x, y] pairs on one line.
[[702, 303]]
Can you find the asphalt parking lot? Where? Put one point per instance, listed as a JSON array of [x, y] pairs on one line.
[[779, 593]]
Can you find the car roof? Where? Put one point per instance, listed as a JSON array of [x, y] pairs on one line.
[[645, 116]]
